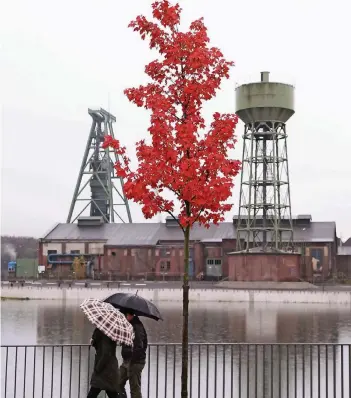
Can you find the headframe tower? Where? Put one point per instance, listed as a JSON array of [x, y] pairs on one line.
[[264, 220], [105, 198]]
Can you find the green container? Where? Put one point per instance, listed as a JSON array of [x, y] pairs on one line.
[[27, 268]]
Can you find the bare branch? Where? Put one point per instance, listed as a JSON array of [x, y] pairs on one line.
[[176, 219]]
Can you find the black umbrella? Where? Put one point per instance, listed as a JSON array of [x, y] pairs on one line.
[[139, 305]]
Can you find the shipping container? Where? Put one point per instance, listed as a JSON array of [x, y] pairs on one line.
[[27, 268]]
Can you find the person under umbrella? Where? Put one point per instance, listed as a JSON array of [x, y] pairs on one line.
[[139, 305], [134, 358], [111, 327]]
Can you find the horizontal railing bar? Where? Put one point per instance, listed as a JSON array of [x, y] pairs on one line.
[[190, 344]]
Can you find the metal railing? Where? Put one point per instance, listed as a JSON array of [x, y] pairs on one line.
[[215, 371]]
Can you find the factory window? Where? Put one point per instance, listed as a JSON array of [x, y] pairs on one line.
[[165, 252], [214, 261], [52, 252], [165, 266], [75, 251]]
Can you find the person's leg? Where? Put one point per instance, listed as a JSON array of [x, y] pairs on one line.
[[112, 394], [93, 392], [123, 378], [134, 376]]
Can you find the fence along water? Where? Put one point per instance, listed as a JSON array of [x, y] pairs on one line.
[[216, 371]]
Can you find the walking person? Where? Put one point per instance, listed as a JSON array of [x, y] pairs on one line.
[[134, 358], [105, 373], [133, 354], [112, 327]]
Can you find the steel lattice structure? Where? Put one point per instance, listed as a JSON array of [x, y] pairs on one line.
[[98, 188], [264, 204], [264, 219]]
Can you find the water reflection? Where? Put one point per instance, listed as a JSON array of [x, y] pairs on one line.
[[31, 322], [251, 371]]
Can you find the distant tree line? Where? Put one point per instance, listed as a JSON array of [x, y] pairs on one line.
[[13, 247]]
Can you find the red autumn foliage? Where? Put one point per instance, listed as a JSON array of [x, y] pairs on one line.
[[181, 157]]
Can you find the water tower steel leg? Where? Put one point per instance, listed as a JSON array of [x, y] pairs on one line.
[[249, 221], [256, 176], [276, 238], [264, 193], [279, 185], [291, 241], [239, 245]]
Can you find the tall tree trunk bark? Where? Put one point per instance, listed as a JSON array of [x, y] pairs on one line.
[[185, 337]]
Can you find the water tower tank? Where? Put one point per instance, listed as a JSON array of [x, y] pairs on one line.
[[265, 101]]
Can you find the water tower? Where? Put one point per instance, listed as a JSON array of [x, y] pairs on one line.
[[264, 221]]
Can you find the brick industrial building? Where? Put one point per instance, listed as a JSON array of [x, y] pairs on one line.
[[155, 250], [264, 243]]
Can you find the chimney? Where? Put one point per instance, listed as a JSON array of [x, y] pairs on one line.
[[264, 77]]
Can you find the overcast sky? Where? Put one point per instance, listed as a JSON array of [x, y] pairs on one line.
[[60, 57]]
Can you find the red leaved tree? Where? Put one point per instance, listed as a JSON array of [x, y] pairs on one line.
[[182, 157]]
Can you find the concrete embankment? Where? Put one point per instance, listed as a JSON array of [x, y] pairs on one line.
[[196, 295]]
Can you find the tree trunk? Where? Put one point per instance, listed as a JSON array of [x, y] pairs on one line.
[[185, 337]]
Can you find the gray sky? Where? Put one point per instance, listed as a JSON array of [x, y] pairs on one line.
[[59, 58]]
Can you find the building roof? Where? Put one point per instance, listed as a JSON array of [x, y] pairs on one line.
[[344, 251], [117, 234], [149, 234]]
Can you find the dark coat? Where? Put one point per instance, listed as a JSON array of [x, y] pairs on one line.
[[105, 374], [137, 353]]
